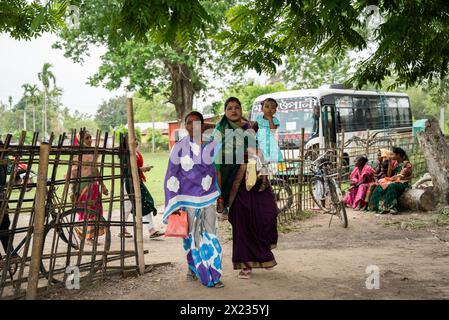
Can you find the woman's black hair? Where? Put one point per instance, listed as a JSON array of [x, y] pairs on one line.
[[230, 99], [400, 152], [194, 113], [269, 100], [363, 158]]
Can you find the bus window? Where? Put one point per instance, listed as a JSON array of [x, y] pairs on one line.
[[376, 113], [329, 131], [346, 116], [391, 113], [360, 107], [404, 112], [344, 108]]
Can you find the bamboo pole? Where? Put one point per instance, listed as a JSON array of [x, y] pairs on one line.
[[341, 156], [301, 175], [39, 219], [136, 184]]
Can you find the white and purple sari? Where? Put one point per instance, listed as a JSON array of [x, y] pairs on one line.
[[191, 184]]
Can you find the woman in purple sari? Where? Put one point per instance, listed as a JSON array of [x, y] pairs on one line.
[[252, 213]]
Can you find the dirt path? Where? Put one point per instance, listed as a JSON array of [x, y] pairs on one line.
[[314, 262]]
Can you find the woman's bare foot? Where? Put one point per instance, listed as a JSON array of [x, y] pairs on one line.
[[244, 274]]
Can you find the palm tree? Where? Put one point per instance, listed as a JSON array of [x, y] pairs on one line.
[[26, 88], [45, 76], [31, 95], [34, 97]]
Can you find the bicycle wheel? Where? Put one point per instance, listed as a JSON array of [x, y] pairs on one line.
[[318, 193], [283, 194], [66, 232], [337, 203], [341, 212]]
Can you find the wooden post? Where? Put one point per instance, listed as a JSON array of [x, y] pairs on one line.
[[301, 174], [39, 220], [341, 155], [136, 184]]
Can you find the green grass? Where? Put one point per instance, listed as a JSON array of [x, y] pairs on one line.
[[155, 177]]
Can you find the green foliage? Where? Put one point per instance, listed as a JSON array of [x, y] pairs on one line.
[[248, 92], [160, 140], [148, 55], [28, 137], [411, 42], [154, 109], [112, 113], [78, 120], [23, 19], [311, 70], [166, 22], [427, 101], [123, 130]]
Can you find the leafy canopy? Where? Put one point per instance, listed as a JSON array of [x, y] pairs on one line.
[[23, 19], [411, 42]]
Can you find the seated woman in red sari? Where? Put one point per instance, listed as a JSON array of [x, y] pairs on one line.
[[385, 196], [361, 177], [88, 196]]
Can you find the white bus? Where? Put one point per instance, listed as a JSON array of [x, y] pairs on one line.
[[323, 113]]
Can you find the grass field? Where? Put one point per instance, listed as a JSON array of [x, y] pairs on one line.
[[155, 177]]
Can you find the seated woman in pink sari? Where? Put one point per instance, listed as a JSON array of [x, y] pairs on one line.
[[88, 196], [361, 177]]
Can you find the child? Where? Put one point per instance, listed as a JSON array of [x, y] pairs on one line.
[[267, 123]]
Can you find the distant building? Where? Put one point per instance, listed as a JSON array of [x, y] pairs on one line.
[[146, 127]]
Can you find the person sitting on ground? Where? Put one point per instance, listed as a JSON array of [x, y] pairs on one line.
[[384, 168], [361, 177], [386, 194]]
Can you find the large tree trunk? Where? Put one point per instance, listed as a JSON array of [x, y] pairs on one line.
[[417, 199], [182, 90], [436, 151]]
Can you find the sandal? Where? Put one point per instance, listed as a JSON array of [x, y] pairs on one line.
[[91, 242], [244, 274], [157, 234], [191, 276], [125, 234], [219, 284]]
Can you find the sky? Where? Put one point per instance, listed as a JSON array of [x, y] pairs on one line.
[[21, 61]]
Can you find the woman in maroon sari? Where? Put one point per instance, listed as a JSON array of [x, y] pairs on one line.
[[252, 213]]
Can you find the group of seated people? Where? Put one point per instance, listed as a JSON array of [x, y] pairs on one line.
[[379, 189]]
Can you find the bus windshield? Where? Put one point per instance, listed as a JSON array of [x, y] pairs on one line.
[[293, 114]]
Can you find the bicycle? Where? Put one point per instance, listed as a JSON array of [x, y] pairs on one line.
[[63, 223], [325, 192], [283, 194]]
